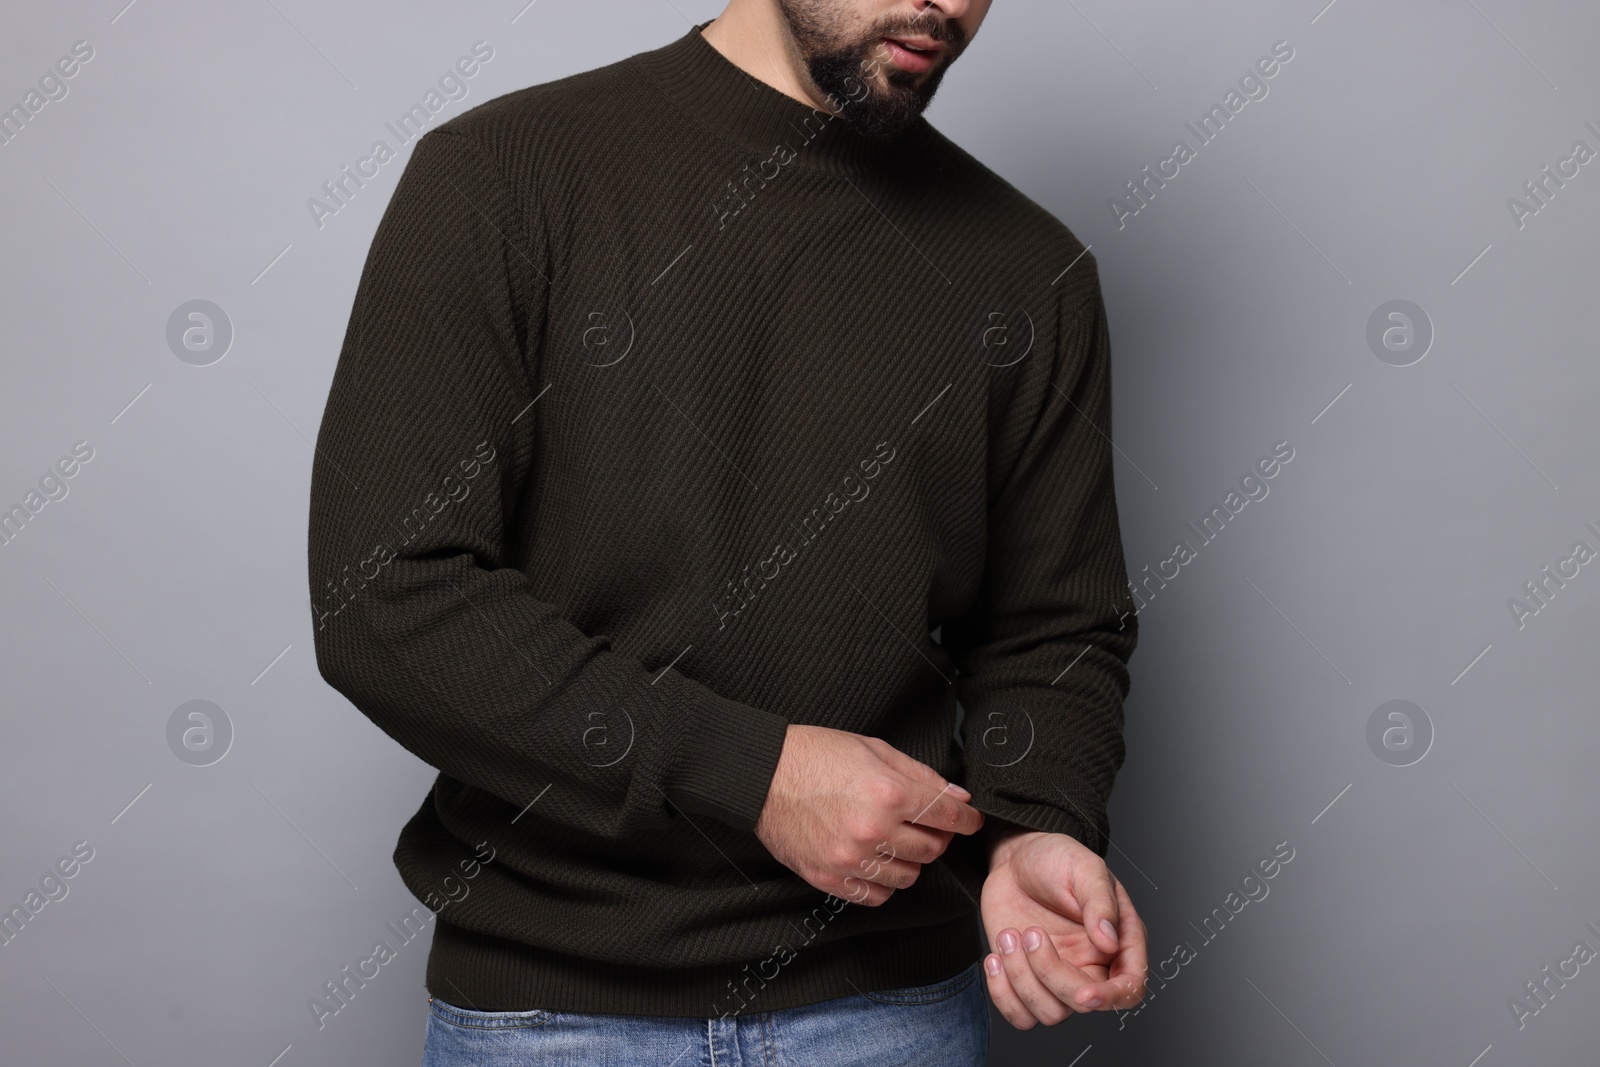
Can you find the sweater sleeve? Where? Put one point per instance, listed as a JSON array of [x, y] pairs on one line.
[[422, 617], [1043, 654]]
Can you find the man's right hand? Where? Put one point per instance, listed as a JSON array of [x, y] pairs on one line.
[[856, 817]]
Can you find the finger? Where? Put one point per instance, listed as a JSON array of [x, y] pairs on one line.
[[915, 769], [894, 874], [1095, 971], [1073, 988], [1006, 1001], [1126, 986], [1041, 1003], [932, 807], [919, 844], [1092, 885], [858, 890]]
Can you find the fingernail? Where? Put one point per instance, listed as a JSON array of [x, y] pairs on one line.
[[1008, 942], [992, 965], [1110, 931], [1031, 940], [1092, 1000], [960, 791]]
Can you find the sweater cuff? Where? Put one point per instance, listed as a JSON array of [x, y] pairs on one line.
[[1051, 820], [967, 855], [729, 753]]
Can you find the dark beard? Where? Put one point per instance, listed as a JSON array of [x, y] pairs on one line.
[[841, 69]]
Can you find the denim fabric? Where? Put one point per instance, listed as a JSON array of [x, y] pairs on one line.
[[945, 1024]]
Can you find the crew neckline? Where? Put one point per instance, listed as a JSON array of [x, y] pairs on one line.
[[742, 109]]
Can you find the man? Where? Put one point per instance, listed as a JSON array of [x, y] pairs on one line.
[[681, 402]]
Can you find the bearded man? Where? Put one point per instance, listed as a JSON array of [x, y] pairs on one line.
[[737, 452]]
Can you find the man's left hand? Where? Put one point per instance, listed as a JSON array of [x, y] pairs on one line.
[[1065, 937]]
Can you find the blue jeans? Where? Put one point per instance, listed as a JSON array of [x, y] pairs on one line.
[[945, 1024]]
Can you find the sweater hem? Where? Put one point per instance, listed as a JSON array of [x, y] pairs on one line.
[[487, 973]]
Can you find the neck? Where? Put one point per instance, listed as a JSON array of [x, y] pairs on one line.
[[753, 36]]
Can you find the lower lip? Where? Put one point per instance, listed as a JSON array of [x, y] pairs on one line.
[[915, 62]]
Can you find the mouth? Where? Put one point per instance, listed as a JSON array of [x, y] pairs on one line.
[[916, 55]]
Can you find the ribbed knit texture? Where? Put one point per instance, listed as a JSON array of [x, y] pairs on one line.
[[671, 412]]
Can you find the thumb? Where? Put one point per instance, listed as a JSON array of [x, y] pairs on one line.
[[1095, 890], [1081, 888]]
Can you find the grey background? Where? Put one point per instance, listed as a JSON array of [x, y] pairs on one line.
[[1420, 898]]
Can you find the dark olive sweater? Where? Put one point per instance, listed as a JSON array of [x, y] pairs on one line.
[[670, 412]]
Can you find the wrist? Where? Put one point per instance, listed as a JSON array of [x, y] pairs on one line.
[[1004, 838]]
